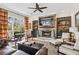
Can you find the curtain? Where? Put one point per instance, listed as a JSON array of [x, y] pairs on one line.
[[3, 23]]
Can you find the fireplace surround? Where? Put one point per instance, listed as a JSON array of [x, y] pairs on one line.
[[46, 33]]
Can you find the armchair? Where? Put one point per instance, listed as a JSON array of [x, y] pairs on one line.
[[65, 37], [70, 49]]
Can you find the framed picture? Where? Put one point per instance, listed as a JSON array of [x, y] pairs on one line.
[[77, 20], [35, 25], [63, 25]]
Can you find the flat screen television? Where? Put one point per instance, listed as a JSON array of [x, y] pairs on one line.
[[45, 22]]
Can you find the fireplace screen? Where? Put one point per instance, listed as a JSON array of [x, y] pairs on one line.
[[46, 33]]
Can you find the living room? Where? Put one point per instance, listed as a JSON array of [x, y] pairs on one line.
[[39, 29]]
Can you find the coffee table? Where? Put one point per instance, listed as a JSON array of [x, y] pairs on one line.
[[34, 44], [37, 45]]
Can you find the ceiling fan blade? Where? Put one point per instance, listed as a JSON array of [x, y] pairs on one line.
[[35, 10], [31, 8], [40, 10], [43, 7], [37, 4]]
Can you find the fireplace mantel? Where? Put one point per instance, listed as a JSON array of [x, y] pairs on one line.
[[48, 31], [47, 28]]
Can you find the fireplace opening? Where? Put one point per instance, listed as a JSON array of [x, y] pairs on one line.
[[46, 33]]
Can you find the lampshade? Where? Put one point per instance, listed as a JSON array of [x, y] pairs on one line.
[[73, 29]]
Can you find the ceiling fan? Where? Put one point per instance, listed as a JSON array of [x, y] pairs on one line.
[[38, 8]]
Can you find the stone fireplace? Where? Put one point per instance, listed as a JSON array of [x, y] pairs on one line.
[[46, 33]]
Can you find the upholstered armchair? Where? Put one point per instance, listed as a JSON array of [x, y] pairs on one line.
[[70, 49], [65, 36]]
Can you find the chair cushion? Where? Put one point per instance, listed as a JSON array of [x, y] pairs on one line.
[[69, 43], [19, 52], [56, 42], [68, 49], [67, 46]]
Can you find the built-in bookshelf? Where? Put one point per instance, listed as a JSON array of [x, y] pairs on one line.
[[3, 23]]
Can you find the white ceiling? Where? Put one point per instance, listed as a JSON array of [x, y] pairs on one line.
[[52, 7]]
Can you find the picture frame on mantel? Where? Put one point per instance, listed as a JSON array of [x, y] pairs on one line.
[[77, 20]]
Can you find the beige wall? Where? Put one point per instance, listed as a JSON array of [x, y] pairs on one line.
[[71, 13], [63, 13], [67, 13], [31, 18]]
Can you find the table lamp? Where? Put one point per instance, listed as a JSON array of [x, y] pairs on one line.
[[72, 31]]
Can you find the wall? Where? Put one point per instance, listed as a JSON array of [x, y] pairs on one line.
[[13, 15], [18, 17], [69, 12], [32, 18], [63, 13]]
